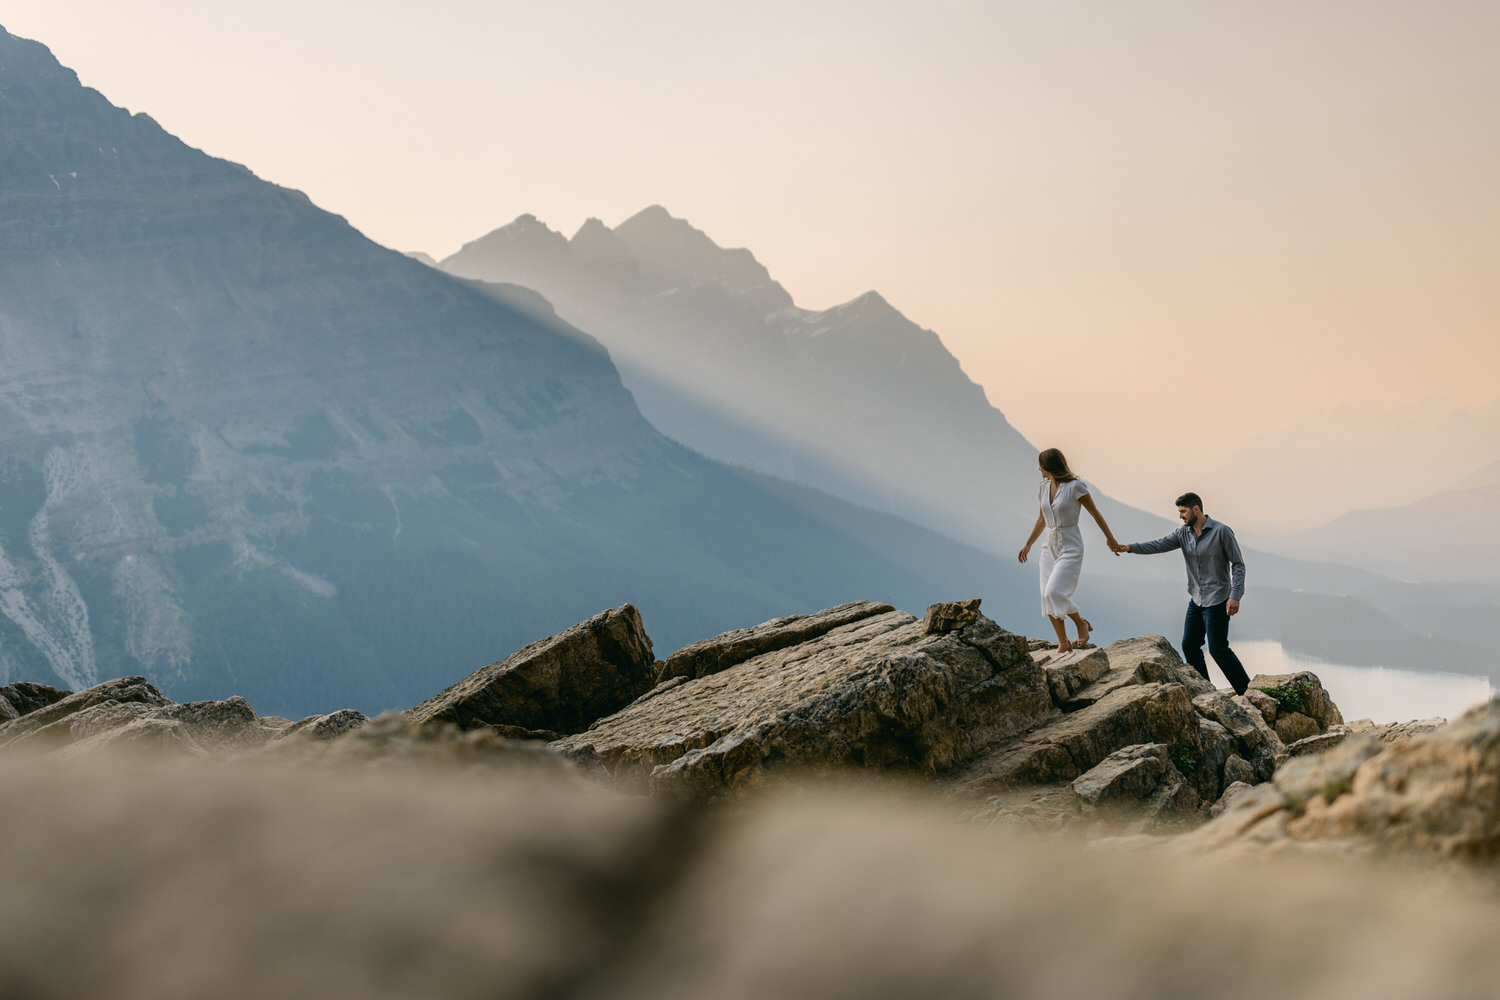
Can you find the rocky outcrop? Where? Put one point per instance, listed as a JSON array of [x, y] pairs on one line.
[[1128, 734], [699, 659], [560, 684], [1072, 744], [1434, 794], [1139, 774], [1070, 672], [948, 616], [1299, 693], [129, 713], [877, 693], [25, 697]]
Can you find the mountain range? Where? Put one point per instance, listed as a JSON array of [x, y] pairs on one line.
[[857, 400], [245, 448]]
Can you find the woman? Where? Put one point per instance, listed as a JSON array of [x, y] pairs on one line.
[[1061, 494]]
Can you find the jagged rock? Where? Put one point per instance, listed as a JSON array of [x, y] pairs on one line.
[[949, 616], [1436, 794], [1149, 659], [1234, 791], [7, 710], [699, 659], [1257, 741], [1300, 692], [1393, 733], [49, 724], [1265, 703], [320, 727], [1129, 775], [1328, 774], [1320, 743], [1216, 745], [1070, 672], [876, 693], [1293, 726], [562, 683], [1072, 744], [25, 697], [394, 740], [1175, 806], [1239, 771]]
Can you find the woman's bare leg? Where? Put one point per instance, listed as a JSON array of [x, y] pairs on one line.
[[1083, 627], [1059, 625]]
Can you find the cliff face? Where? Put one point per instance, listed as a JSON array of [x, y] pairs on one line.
[[244, 448]]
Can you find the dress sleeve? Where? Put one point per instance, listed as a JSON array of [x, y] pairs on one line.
[[1080, 489]]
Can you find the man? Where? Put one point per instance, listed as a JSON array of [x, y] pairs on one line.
[[1216, 582]]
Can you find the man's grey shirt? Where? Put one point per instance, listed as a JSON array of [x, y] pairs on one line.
[[1215, 568]]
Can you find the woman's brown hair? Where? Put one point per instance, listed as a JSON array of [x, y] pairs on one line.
[[1055, 465]]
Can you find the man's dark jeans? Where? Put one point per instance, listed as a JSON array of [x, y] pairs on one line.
[[1212, 621]]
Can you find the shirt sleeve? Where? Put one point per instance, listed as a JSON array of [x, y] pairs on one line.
[[1236, 564], [1167, 544]]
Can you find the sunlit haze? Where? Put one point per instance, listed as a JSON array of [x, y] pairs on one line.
[[1153, 231]]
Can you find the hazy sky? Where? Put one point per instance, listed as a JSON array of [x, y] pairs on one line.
[[1152, 230]]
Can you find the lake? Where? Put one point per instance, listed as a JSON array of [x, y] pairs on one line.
[[1384, 694]]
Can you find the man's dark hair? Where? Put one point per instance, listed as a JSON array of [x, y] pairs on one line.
[[1190, 500]]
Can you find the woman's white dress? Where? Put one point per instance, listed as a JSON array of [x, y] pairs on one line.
[[1062, 546]]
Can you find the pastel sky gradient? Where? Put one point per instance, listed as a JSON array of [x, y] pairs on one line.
[[1153, 229]]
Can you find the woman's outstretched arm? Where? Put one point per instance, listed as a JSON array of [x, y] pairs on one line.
[[1088, 504], [1036, 532]]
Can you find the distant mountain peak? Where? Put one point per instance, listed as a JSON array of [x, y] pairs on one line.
[[597, 243], [526, 236], [680, 255]]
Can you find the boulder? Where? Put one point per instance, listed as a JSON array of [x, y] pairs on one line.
[[25, 697], [1233, 792], [877, 693], [1239, 771], [1070, 672], [1130, 775], [1073, 743], [1293, 726], [1320, 743], [321, 727], [49, 724], [562, 683], [1264, 703], [1329, 774], [699, 659], [1216, 746], [1300, 692], [1257, 742], [950, 616], [1149, 659], [1392, 733]]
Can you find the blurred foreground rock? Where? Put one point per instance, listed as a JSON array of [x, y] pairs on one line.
[[256, 877], [1432, 795]]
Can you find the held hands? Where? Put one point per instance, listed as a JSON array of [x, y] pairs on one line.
[[1116, 547]]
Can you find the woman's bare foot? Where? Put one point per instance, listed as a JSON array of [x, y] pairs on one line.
[[1084, 631], [1064, 646]]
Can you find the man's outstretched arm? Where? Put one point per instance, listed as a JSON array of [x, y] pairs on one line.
[[1167, 544]]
